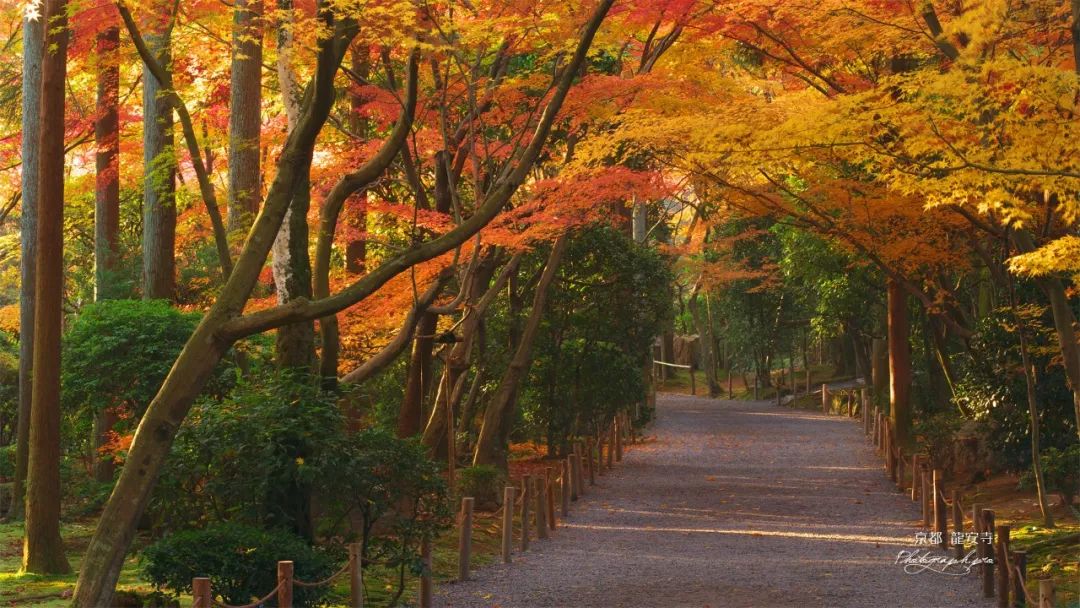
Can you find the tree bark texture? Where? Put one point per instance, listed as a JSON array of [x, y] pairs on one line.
[[43, 549]]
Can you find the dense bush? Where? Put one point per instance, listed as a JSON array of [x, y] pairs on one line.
[[241, 562], [252, 456], [275, 454], [483, 482], [993, 389], [1061, 472], [386, 491]]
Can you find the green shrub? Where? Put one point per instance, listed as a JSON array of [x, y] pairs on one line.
[[1061, 471], [7, 461], [241, 562], [992, 387], [484, 483]]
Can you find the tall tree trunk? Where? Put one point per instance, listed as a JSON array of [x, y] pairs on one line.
[[899, 362], [879, 356], [1064, 322], [106, 210], [245, 115], [708, 357], [159, 188], [491, 443], [33, 45], [418, 383], [291, 266], [43, 550], [481, 295], [356, 248], [1033, 414]]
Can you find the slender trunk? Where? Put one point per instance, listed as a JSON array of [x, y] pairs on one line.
[[107, 147], [356, 248], [43, 550], [490, 445], [1033, 416], [106, 211], [1064, 322], [419, 380], [294, 346], [245, 115], [159, 188], [33, 45], [708, 361], [879, 356], [481, 295], [899, 363], [1076, 34]]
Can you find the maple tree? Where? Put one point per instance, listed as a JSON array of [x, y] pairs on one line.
[[402, 192]]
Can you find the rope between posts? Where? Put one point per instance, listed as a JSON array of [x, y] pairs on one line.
[[254, 604], [300, 583], [1019, 577]]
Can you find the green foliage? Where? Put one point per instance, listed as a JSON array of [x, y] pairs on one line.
[[7, 461], [387, 491], [235, 456], [276, 445], [1061, 472], [610, 301], [118, 352], [992, 388], [483, 482], [241, 562], [938, 432]]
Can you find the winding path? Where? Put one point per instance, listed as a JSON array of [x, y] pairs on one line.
[[733, 504]]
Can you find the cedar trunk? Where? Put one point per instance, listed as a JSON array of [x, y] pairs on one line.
[[33, 45], [491, 443], [43, 550], [294, 346], [106, 211], [245, 116], [899, 363], [159, 187]]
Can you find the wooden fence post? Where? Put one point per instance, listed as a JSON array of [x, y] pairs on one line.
[[1018, 576], [552, 519], [600, 452], [958, 524], [916, 480], [526, 498], [864, 401], [1046, 593], [611, 447], [693, 381], [986, 551], [618, 439], [1000, 556], [356, 576], [465, 538], [508, 523], [200, 593], [940, 516], [285, 584], [426, 586], [591, 461], [564, 487], [579, 478], [825, 398], [541, 507], [572, 479], [927, 509], [901, 483]]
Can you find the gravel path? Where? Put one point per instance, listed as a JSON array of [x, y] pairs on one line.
[[733, 504]]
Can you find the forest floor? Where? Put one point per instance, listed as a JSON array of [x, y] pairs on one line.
[[729, 503]]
